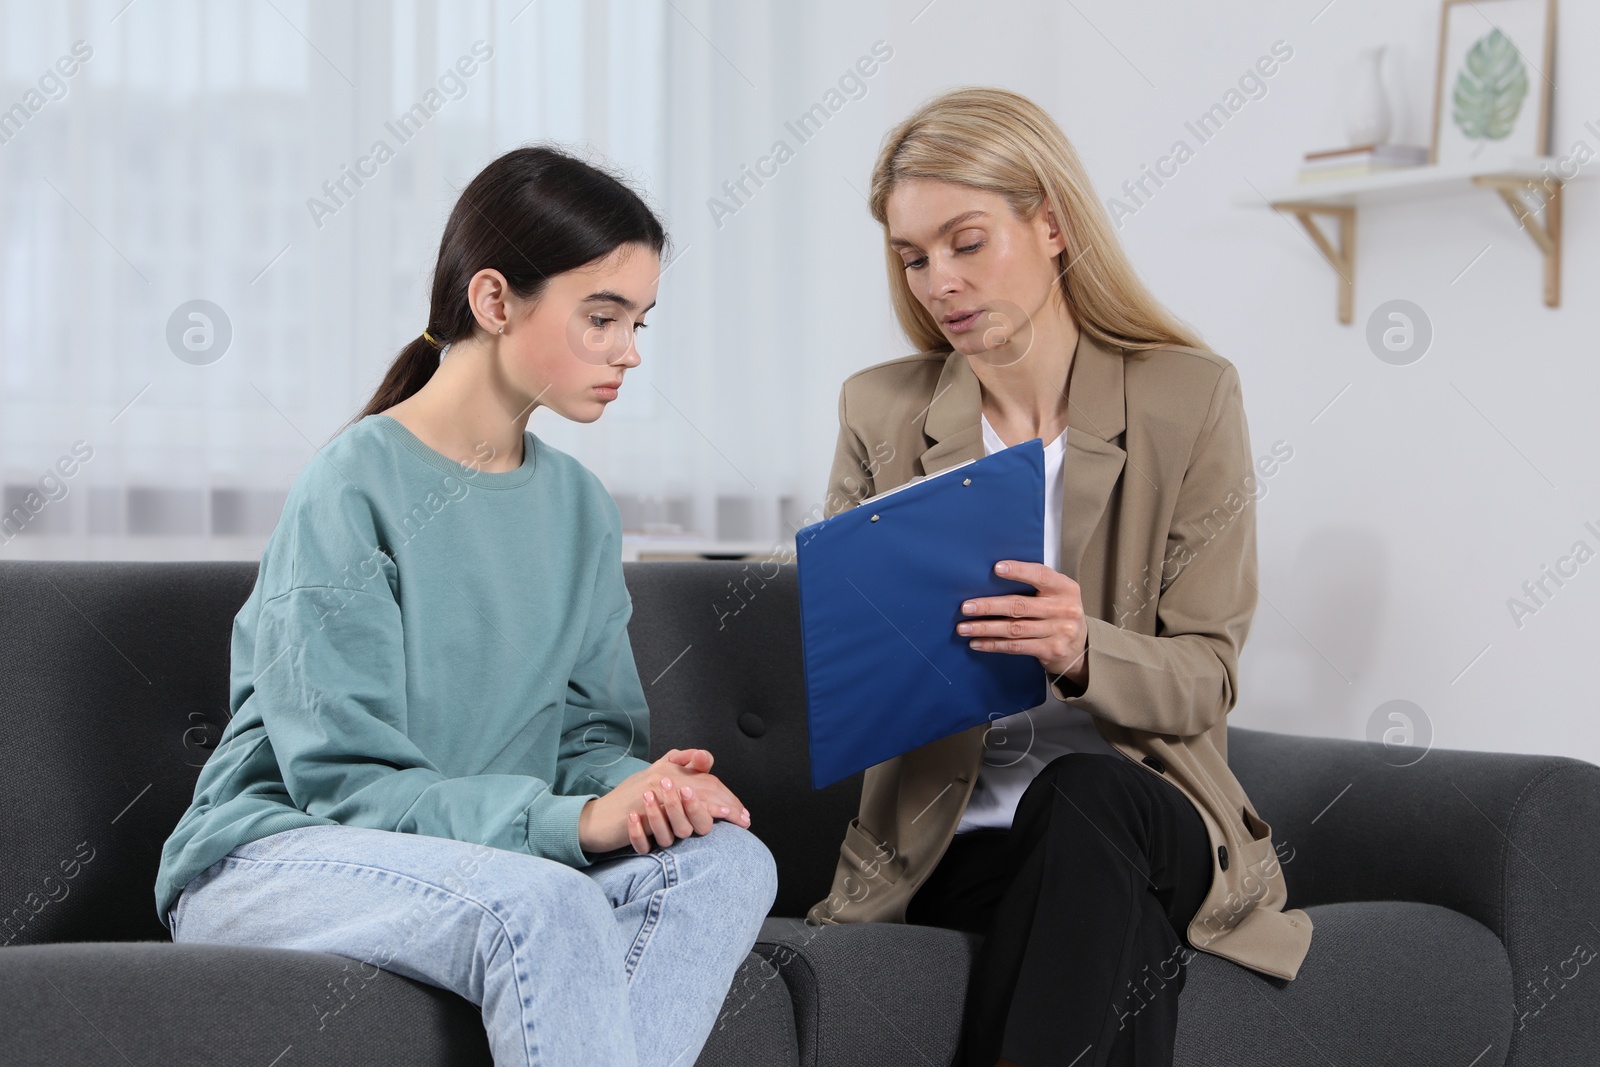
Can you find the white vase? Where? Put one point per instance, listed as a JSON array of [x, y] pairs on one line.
[[1368, 119]]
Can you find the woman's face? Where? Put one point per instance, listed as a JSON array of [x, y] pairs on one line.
[[983, 274], [568, 349]]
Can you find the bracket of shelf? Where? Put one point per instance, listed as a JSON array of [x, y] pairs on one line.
[[1343, 257], [1547, 235]]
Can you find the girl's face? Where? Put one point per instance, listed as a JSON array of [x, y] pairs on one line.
[[983, 274], [570, 349]]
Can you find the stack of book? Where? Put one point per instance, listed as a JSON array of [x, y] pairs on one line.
[[1359, 160]]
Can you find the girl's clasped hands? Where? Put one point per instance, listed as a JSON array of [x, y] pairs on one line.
[[674, 798]]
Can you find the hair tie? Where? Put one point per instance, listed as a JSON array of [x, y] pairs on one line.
[[426, 336]]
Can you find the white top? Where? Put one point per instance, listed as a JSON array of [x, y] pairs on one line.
[[1019, 746]]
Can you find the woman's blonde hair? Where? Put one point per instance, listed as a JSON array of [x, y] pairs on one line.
[[1005, 143]]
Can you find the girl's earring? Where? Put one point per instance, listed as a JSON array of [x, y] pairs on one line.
[[502, 329]]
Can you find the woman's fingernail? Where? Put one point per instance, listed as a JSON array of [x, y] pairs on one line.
[[969, 607], [1001, 568], [964, 628], [666, 783], [724, 811]]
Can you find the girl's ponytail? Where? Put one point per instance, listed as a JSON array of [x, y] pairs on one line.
[[408, 373]]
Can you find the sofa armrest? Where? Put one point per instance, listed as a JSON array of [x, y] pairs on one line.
[[1509, 840], [872, 993]]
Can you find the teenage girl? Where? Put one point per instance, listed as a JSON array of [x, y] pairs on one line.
[[434, 763], [1099, 839]]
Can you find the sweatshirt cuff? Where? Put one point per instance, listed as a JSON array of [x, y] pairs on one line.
[[552, 822]]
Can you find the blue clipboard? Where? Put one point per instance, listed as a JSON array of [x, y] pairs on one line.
[[881, 588]]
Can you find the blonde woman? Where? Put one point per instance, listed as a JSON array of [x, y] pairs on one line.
[[1098, 839]]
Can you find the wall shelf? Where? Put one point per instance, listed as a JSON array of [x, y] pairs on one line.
[[1515, 181]]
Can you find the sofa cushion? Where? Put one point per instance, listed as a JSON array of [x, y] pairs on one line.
[[155, 1002], [181, 1005], [1384, 983]]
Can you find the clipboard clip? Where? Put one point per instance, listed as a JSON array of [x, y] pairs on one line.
[[876, 516]]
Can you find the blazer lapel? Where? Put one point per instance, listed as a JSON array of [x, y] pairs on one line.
[[953, 415], [1096, 416]]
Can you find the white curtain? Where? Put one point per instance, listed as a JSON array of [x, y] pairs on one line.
[[227, 152]]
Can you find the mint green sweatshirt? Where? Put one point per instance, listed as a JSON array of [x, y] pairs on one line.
[[428, 649]]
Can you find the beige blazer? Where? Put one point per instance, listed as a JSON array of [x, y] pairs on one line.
[[1158, 529]]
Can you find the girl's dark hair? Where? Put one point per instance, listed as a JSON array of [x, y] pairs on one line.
[[533, 213]]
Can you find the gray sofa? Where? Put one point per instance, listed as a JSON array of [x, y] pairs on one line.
[[1456, 901]]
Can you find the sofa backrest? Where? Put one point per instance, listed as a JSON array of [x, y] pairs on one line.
[[114, 690], [718, 650]]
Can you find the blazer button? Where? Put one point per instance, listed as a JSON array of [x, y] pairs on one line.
[[1157, 765], [1222, 856]]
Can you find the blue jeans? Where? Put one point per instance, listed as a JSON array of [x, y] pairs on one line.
[[624, 962]]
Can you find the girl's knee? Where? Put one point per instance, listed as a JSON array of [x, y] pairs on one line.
[[750, 862]]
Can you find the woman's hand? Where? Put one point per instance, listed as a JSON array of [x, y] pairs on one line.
[[674, 797], [1049, 626]]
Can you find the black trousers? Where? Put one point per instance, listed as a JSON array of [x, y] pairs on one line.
[[1083, 902]]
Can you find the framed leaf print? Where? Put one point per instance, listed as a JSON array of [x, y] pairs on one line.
[[1492, 101]]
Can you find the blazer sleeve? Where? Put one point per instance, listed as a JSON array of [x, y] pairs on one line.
[[1184, 680], [851, 479]]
